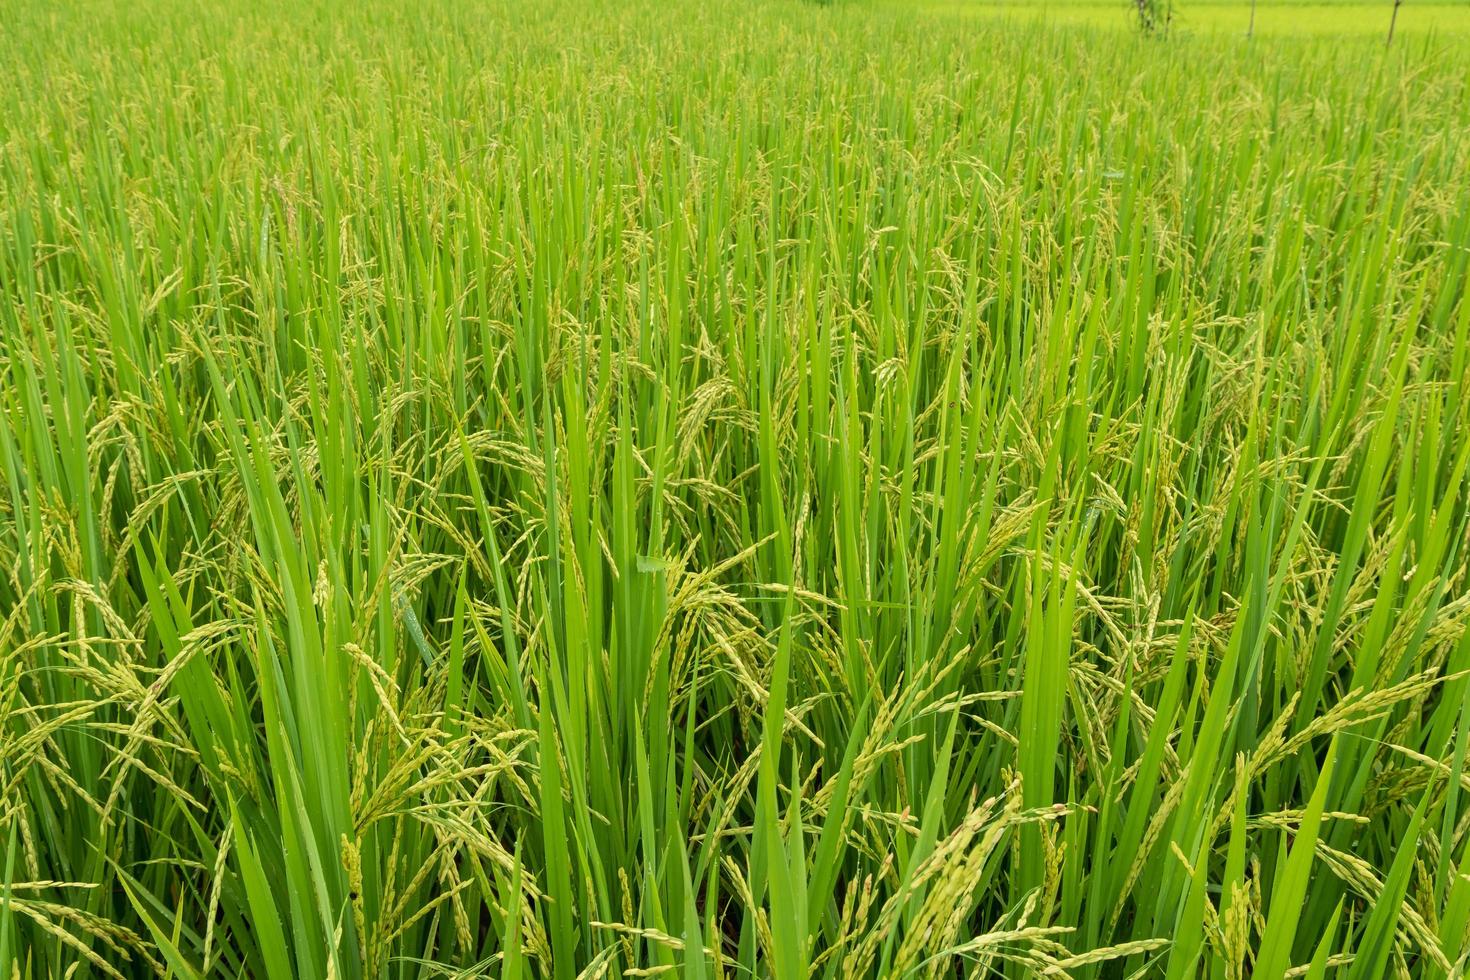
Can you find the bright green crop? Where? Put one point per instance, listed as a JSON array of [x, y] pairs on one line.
[[737, 489]]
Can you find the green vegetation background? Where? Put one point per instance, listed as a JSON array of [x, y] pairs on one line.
[[1446, 20], [737, 489]]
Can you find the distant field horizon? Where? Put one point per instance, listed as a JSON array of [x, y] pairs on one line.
[[1272, 17]]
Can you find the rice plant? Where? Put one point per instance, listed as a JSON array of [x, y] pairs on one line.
[[762, 489]]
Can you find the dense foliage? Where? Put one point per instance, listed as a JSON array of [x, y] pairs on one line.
[[748, 489]]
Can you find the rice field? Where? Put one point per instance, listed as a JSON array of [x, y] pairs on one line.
[[1437, 23], [733, 490]]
